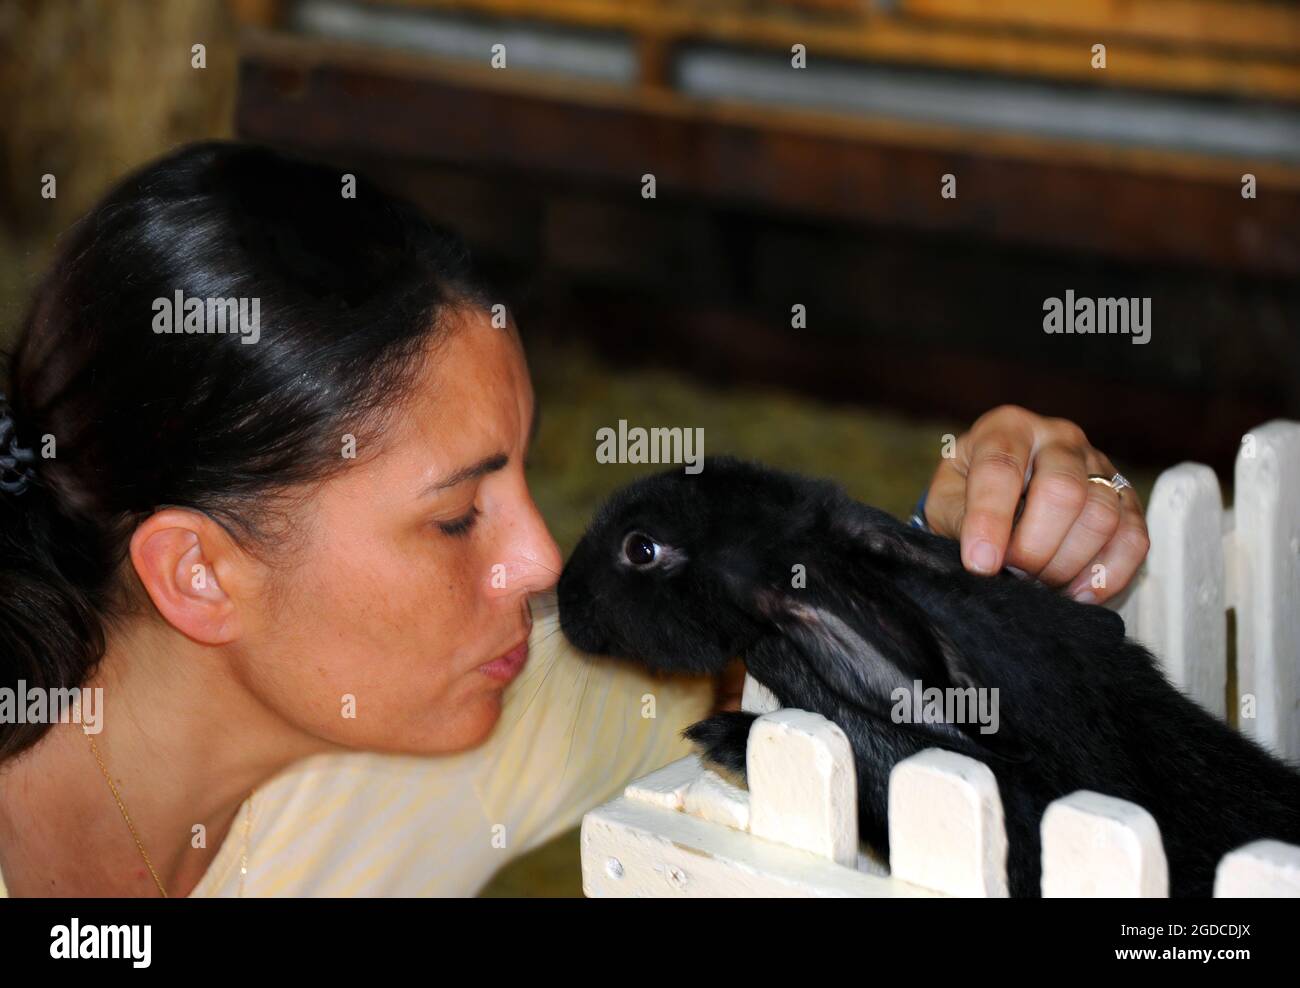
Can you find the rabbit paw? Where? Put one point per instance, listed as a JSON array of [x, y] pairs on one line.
[[722, 741]]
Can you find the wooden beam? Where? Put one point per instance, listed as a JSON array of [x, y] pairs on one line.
[[1119, 202], [982, 43], [1254, 25], [257, 13]]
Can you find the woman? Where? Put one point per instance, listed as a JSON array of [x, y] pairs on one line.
[[265, 490]]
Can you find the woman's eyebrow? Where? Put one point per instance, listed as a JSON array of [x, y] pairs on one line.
[[489, 464]]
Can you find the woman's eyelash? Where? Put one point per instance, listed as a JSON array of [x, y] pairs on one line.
[[459, 526]]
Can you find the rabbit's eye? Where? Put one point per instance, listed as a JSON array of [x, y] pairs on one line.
[[640, 549]]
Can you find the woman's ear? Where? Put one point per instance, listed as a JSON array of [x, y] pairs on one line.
[[183, 559]]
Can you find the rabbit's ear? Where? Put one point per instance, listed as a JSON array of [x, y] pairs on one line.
[[886, 539], [878, 651]]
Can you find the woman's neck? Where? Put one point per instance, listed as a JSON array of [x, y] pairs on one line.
[[184, 741]]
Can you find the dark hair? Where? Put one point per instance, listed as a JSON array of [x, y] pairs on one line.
[[351, 292]]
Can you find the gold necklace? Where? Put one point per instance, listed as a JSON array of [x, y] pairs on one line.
[[162, 890]]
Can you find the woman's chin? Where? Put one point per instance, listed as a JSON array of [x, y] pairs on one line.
[[437, 729], [470, 727]]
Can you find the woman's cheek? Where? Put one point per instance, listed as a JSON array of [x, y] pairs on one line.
[[452, 590]]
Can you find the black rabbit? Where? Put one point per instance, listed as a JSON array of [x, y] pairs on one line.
[[682, 572]]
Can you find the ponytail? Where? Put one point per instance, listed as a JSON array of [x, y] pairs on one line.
[[50, 635]]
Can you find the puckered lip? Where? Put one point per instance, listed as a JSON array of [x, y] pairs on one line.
[[508, 664]]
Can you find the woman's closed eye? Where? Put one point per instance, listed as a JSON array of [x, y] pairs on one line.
[[459, 526]]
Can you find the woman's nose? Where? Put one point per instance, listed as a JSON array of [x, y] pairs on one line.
[[533, 563]]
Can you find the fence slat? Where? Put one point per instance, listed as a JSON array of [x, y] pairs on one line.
[[802, 788], [1266, 869], [1266, 514], [1182, 611], [1099, 846], [945, 825]]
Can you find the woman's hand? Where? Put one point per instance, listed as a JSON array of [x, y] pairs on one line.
[[1069, 526]]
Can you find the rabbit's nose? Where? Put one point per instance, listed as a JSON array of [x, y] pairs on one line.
[[579, 621]]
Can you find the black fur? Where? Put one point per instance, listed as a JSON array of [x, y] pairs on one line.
[[1080, 706]]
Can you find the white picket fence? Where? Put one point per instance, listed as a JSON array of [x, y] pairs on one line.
[[685, 831]]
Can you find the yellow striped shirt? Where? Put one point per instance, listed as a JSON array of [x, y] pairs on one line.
[[573, 731]]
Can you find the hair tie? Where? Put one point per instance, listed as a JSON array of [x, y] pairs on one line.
[[16, 471]]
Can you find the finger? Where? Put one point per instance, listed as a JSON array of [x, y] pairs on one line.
[[995, 478], [945, 501], [1095, 526], [1117, 563], [1057, 495]]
